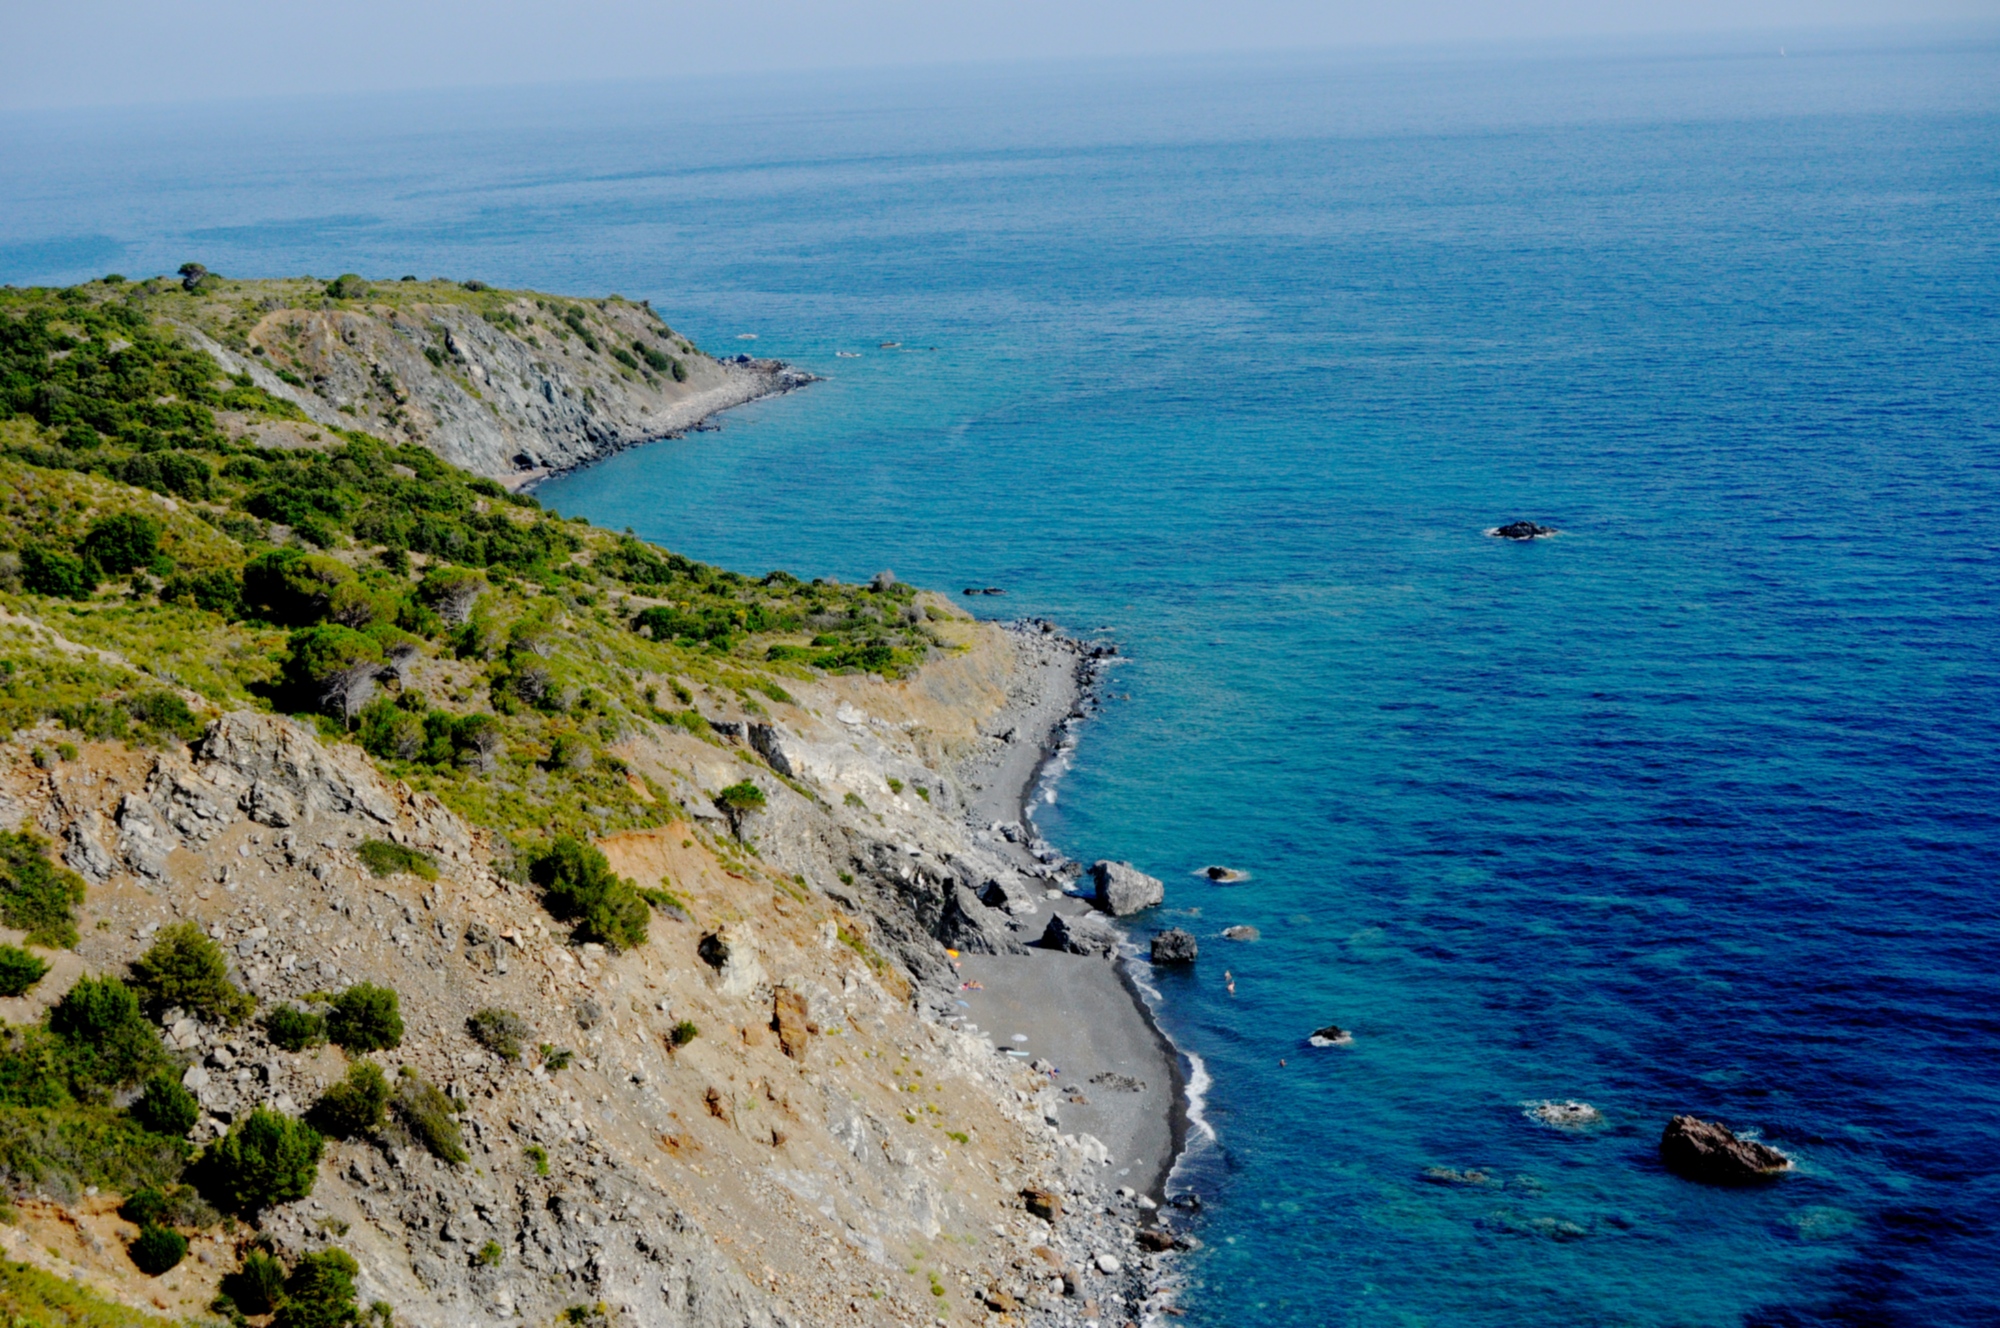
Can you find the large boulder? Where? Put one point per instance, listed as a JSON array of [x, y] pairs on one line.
[[1082, 936], [1174, 947], [1123, 888], [974, 927], [1704, 1151]]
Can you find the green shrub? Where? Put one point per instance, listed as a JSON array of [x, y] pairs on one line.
[[683, 1033], [291, 588], [106, 1041], [555, 1059], [743, 797], [347, 286], [332, 667], [184, 968], [354, 1107], [579, 886], [383, 858], [293, 1029], [158, 1249], [19, 970], [266, 1158], [538, 1157], [365, 1017], [217, 592], [122, 544], [166, 1107], [389, 731], [46, 571], [501, 1032], [165, 715], [427, 1114], [168, 1206], [259, 1285], [490, 1254], [37, 896], [320, 1292]]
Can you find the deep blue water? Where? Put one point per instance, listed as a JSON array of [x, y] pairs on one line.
[[1692, 808]]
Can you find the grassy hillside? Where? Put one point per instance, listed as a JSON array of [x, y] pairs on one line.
[[477, 645]]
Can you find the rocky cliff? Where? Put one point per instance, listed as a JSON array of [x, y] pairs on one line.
[[507, 384]]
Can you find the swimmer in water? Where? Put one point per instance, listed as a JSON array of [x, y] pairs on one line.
[[1229, 978]]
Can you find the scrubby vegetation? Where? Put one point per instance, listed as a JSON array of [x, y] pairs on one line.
[[365, 1017], [383, 858], [186, 970], [37, 896], [19, 970], [501, 1032], [266, 1158], [578, 885], [293, 1029], [353, 1108], [483, 648], [429, 1116]]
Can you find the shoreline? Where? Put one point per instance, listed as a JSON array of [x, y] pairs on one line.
[[1067, 702], [780, 379]]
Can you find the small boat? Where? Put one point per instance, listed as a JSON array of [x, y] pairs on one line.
[[889, 345], [993, 590], [746, 336]]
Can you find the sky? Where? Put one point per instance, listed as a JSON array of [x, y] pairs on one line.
[[75, 53]]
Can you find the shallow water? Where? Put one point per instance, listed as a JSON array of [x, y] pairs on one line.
[[1690, 808]]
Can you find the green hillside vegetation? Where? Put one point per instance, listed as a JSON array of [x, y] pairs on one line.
[[477, 645]]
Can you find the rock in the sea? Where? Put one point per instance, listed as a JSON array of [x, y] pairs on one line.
[[1565, 1115], [1077, 936], [1174, 947], [1123, 888], [1333, 1035], [1704, 1151], [1155, 1240], [1240, 933], [1523, 530], [1226, 875]]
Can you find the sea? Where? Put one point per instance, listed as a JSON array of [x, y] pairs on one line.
[[1692, 807]]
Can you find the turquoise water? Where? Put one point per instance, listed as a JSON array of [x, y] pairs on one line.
[[1691, 808]]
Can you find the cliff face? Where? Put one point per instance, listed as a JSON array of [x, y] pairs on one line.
[[820, 1151], [507, 384]]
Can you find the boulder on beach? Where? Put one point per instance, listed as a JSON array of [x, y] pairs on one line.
[[1174, 947], [1076, 936], [967, 923], [1333, 1035], [1705, 1151], [1045, 1204], [1522, 530], [1240, 933], [1123, 888]]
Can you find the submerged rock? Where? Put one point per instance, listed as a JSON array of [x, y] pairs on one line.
[[1566, 1115], [1522, 530], [1225, 875], [1705, 1151], [1241, 933], [1123, 888], [1333, 1035], [1174, 947]]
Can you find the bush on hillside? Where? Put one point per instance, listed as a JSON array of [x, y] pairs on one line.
[[217, 592], [320, 1292], [501, 1032], [266, 1158], [166, 1107], [347, 286], [383, 858], [365, 1017], [36, 896], [122, 544], [353, 1108], [258, 1287], [427, 1114], [19, 970], [46, 571], [106, 1041], [293, 1029], [184, 968], [158, 1249], [579, 886], [332, 668]]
